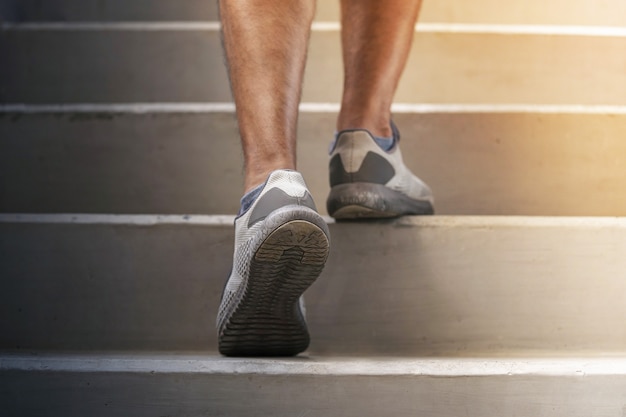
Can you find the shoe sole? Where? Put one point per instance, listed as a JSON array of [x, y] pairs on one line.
[[361, 200], [265, 318]]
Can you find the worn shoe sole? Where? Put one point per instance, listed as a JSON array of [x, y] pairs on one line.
[[362, 200], [264, 317]]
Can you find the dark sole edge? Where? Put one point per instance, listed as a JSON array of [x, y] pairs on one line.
[[372, 201]]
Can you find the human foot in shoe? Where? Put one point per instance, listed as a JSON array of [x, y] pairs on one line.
[[281, 246], [368, 179]]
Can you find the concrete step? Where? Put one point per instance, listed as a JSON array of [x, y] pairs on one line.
[[150, 385], [556, 12], [432, 286], [165, 63], [523, 160]]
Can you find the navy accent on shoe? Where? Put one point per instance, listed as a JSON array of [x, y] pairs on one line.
[[249, 198], [385, 143]]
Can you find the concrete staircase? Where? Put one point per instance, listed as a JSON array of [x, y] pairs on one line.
[[120, 111]]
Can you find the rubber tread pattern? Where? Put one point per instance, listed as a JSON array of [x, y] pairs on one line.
[[264, 316]]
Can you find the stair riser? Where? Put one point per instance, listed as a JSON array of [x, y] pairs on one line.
[[556, 12], [114, 394], [8, 11], [491, 163], [113, 10], [407, 288], [187, 66]]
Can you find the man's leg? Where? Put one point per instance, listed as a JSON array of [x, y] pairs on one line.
[[281, 242], [368, 177], [376, 39], [266, 43]]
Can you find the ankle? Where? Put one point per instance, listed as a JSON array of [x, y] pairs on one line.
[[377, 126], [257, 173]]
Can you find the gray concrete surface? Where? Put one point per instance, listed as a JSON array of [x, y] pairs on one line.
[[433, 286], [556, 12], [313, 387], [476, 163], [62, 66], [459, 287], [8, 11], [115, 10]]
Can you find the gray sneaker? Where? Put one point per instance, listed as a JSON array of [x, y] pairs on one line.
[[281, 246], [369, 182]]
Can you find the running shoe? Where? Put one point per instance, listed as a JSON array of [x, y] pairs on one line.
[[281, 246], [369, 182]]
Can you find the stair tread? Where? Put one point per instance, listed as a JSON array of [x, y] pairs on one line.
[[551, 364], [447, 221], [313, 387]]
